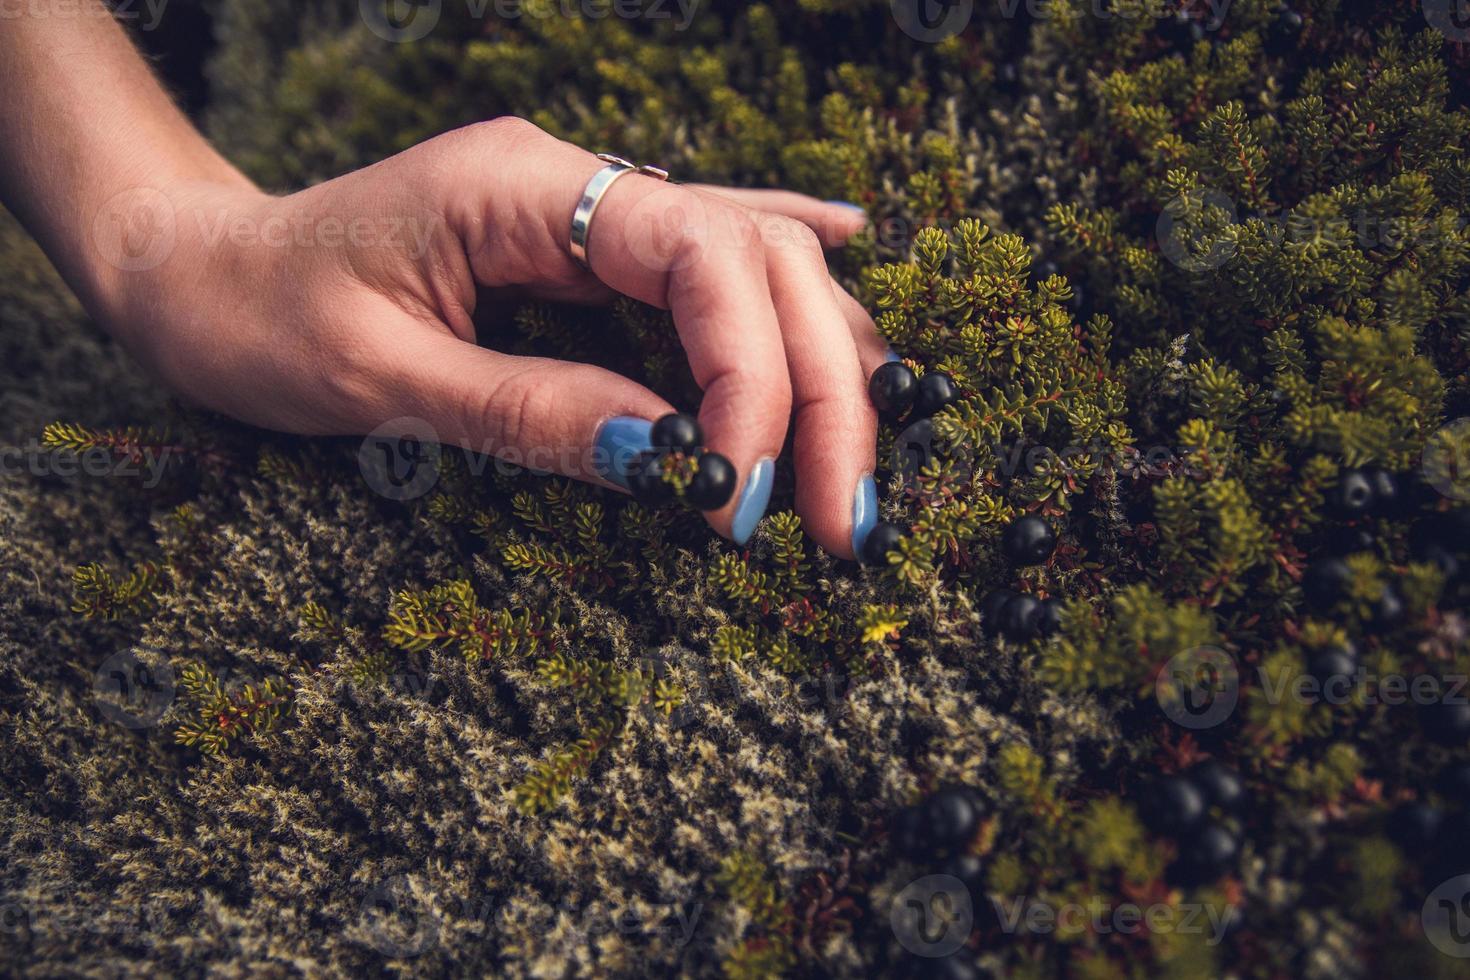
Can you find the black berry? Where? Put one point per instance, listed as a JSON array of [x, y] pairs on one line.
[[1205, 856], [990, 610], [1389, 610], [1020, 618], [1353, 495], [1028, 540], [1049, 623], [1348, 540], [1285, 34], [893, 389], [936, 390], [677, 432], [1219, 783], [1447, 722], [1172, 805], [882, 539], [1386, 496], [646, 481], [713, 484], [1331, 666], [952, 817], [1325, 583], [1414, 825], [1078, 303]]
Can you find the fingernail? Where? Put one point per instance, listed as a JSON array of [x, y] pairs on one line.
[[864, 511], [618, 442], [849, 204], [891, 356], [753, 500]]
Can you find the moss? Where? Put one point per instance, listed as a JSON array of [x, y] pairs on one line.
[[535, 729]]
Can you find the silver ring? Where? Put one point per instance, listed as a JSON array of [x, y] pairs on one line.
[[592, 196]]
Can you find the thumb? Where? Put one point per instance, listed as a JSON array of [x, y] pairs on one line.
[[577, 420]]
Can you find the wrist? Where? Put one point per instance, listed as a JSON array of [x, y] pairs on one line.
[[143, 243]]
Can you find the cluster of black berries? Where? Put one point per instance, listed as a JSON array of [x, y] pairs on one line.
[[713, 482], [939, 827], [910, 404], [1438, 836], [897, 392], [1015, 615], [1365, 493], [1359, 494], [1440, 539], [936, 834], [1179, 807]]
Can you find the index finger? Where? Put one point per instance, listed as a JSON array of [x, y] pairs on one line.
[[668, 246]]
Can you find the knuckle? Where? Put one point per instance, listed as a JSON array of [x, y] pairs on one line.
[[741, 232], [510, 130], [505, 416], [768, 389], [785, 233]]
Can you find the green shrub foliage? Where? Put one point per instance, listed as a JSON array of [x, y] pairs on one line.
[[1184, 272]]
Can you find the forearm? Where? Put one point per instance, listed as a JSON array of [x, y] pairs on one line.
[[90, 144]]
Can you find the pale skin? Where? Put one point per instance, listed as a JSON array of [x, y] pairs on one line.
[[340, 308]]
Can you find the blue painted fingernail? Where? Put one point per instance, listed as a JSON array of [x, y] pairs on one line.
[[849, 204], [618, 442], [891, 356], [753, 500], [864, 511]]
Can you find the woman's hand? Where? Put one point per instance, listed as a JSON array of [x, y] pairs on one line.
[[347, 307]]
